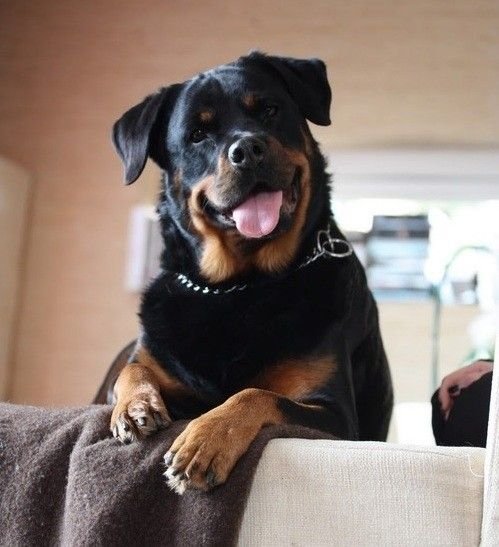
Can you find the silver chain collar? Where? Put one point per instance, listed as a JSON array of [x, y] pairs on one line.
[[326, 246]]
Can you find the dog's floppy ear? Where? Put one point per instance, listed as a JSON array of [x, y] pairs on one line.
[[306, 81], [134, 132]]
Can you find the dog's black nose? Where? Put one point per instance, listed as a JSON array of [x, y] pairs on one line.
[[247, 152]]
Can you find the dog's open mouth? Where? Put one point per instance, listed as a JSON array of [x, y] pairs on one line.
[[258, 215]]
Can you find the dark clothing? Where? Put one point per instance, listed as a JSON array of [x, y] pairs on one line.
[[468, 418]]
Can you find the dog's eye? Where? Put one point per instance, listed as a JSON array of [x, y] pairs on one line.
[[270, 110], [197, 135]]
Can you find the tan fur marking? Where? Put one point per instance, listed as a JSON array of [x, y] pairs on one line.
[[206, 116], [249, 101], [140, 409], [166, 383], [219, 260], [177, 182], [307, 139], [296, 379], [217, 439]]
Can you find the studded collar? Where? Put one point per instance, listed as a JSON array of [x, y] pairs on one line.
[[326, 247]]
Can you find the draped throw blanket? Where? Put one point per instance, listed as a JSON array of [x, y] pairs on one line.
[[65, 481]]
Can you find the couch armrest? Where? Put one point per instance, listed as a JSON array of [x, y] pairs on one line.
[[319, 492], [490, 524]]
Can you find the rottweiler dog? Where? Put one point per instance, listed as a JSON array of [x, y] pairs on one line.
[[261, 313]]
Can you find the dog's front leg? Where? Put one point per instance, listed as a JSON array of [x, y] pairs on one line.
[[140, 409], [204, 454]]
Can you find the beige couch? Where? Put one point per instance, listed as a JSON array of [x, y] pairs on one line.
[[308, 493]]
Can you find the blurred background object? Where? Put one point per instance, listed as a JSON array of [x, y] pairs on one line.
[[396, 253], [414, 140]]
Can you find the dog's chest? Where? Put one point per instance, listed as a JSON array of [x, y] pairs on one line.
[[222, 341]]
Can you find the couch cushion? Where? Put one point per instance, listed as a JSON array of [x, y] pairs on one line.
[[364, 493]]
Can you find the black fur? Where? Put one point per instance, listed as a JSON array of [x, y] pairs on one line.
[[217, 343]]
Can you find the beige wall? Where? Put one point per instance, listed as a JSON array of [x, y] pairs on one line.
[[403, 72], [14, 202], [406, 329]]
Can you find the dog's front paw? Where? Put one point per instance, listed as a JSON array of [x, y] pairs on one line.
[[204, 454], [138, 416]]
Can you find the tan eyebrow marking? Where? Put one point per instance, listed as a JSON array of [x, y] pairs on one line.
[[206, 116], [250, 101]]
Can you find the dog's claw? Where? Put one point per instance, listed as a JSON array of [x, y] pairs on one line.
[[211, 479], [159, 420], [168, 457], [177, 482]]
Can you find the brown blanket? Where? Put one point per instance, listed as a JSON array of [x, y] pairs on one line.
[[65, 481]]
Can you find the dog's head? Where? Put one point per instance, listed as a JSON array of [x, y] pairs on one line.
[[236, 147]]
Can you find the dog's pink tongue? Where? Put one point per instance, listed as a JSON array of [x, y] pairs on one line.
[[259, 214]]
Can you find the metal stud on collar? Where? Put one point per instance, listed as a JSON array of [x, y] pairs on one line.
[[184, 280]]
